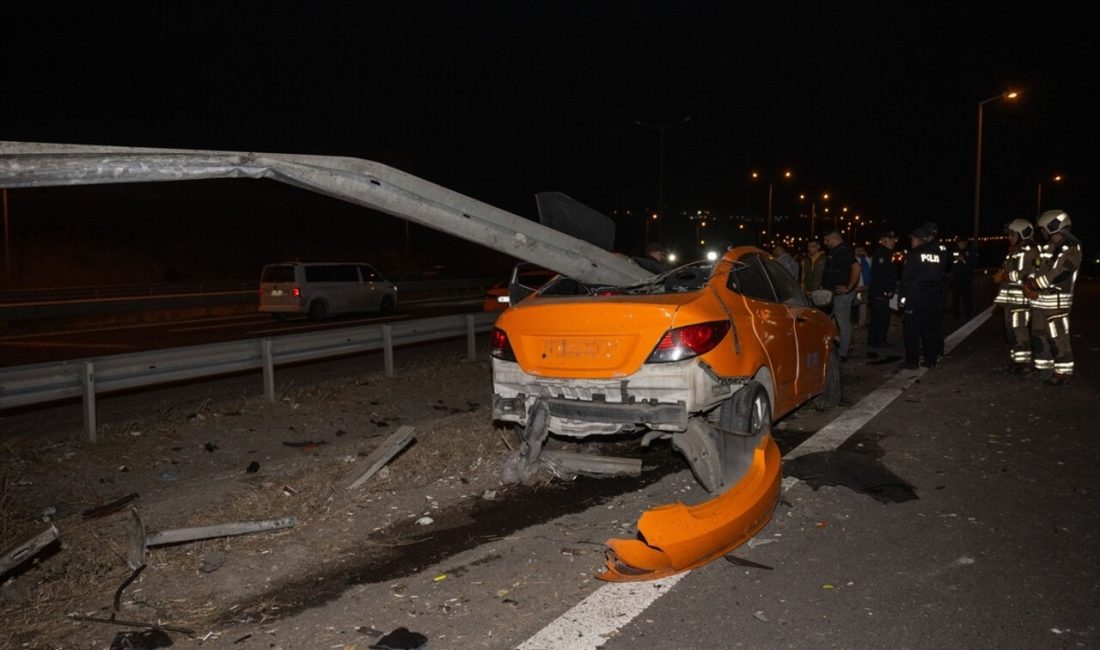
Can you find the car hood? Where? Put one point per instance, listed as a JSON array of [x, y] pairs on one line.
[[597, 336]]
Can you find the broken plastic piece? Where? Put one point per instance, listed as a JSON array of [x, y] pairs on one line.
[[401, 639], [677, 537], [20, 553]]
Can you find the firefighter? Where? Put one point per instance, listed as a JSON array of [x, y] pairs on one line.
[[1049, 290], [1022, 260], [921, 299]]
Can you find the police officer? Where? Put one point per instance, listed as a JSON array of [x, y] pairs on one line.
[[1049, 290], [884, 282], [1021, 261], [921, 298]]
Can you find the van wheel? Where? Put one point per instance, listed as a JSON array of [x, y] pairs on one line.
[[386, 306], [830, 397], [318, 310]]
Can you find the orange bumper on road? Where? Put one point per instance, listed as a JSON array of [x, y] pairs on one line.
[[677, 537]]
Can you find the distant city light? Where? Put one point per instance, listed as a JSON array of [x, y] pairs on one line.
[[711, 256], [672, 257]]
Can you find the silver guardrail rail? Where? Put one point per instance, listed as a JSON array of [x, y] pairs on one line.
[[85, 378]]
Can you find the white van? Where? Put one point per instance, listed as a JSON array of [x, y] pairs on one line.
[[323, 289]]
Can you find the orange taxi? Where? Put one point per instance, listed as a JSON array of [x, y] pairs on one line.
[[705, 356]]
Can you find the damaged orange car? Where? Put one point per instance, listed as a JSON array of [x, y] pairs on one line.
[[705, 356]]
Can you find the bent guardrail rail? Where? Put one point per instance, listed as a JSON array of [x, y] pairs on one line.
[[86, 378]]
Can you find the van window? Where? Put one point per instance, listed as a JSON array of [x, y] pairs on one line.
[[280, 273], [332, 273], [369, 274]]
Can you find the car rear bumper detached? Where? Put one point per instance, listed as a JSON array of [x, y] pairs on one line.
[[657, 396]]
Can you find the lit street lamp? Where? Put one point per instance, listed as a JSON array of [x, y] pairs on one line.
[[784, 176], [661, 170], [1039, 194], [978, 165]]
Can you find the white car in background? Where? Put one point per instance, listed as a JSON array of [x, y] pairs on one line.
[[322, 289]]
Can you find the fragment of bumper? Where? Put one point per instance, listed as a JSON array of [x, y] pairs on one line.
[[677, 537]]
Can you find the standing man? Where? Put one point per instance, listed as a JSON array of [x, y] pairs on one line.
[[1021, 261], [783, 256], [921, 298], [864, 282], [812, 267], [1049, 290], [962, 279], [841, 276], [881, 288]]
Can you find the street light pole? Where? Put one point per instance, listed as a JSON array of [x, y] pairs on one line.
[[978, 157], [661, 168], [1039, 195]]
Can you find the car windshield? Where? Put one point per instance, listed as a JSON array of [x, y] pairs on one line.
[[682, 279]]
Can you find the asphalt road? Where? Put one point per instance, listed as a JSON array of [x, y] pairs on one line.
[[998, 550], [98, 341]]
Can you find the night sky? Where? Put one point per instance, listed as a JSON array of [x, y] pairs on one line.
[[874, 102]]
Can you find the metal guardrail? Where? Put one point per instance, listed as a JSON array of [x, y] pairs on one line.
[[85, 378]]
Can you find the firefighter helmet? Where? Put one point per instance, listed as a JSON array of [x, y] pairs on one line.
[[1053, 221], [1021, 227]]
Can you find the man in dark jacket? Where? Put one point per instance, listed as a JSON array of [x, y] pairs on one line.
[[841, 276], [884, 282], [921, 298]]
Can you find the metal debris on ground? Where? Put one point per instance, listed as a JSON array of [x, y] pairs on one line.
[[140, 540], [109, 508], [740, 561], [590, 464], [303, 444], [20, 553], [212, 561], [385, 452]]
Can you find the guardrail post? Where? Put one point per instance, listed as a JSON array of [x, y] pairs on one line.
[[269, 370], [471, 339], [387, 349], [88, 381]]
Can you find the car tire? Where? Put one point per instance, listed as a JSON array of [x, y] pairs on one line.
[[386, 306], [748, 411], [830, 397], [318, 310]]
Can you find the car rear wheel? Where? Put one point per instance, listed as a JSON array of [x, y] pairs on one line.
[[318, 310], [830, 397], [386, 306], [749, 411]]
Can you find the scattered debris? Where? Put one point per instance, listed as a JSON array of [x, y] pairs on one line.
[[393, 445], [252, 468], [592, 464], [400, 639], [740, 561], [140, 540], [20, 553], [425, 521], [109, 508], [489, 495], [242, 639], [303, 444], [289, 491], [143, 640], [118, 621], [759, 615], [212, 561], [210, 447], [757, 541], [854, 471]]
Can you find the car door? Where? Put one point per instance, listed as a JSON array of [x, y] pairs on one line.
[[371, 288], [810, 330], [772, 323]]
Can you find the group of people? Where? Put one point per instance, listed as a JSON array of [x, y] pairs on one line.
[[1036, 291]]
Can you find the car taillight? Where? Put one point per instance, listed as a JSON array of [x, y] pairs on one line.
[[499, 347], [687, 342], [296, 292]]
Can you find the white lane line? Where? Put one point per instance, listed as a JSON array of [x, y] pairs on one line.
[[590, 623]]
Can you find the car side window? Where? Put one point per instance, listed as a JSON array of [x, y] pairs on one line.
[[369, 274], [789, 290], [748, 279]]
